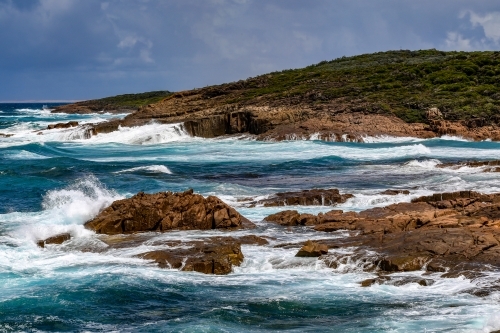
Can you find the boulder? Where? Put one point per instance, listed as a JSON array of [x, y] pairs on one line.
[[395, 192], [486, 166], [204, 256], [315, 197], [312, 249], [285, 218], [57, 239], [63, 125], [166, 211]]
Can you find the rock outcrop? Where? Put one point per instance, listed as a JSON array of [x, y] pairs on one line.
[[395, 192], [166, 211], [312, 249], [313, 197], [457, 231], [63, 125], [214, 256], [57, 239], [486, 166]]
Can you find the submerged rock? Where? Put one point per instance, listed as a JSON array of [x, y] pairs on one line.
[[487, 166], [166, 211], [395, 192], [57, 239]]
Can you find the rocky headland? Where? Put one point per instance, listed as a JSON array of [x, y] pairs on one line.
[[420, 94]]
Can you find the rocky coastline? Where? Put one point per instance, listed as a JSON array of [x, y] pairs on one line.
[[451, 234], [206, 119]]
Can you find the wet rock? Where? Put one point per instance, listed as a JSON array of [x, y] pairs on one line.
[[2, 135], [166, 211], [57, 239], [285, 218], [402, 263], [315, 197], [63, 125], [452, 232], [312, 249], [252, 240], [395, 192], [206, 257], [487, 166]]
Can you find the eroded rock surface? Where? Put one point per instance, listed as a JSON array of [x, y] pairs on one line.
[[57, 239], [209, 257], [166, 211], [63, 125], [312, 197], [312, 249], [458, 231], [486, 166]]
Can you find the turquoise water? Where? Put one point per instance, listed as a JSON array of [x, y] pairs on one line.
[[56, 181]]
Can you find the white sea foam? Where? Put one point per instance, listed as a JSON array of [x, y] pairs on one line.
[[149, 168], [22, 155], [64, 210], [143, 135]]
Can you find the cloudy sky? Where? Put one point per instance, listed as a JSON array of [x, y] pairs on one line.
[[83, 49]]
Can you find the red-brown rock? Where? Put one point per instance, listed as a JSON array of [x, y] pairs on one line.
[[208, 257], [166, 211], [63, 125], [306, 198], [312, 249], [57, 239]]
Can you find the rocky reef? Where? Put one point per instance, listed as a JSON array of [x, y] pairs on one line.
[[449, 232], [166, 211], [453, 233]]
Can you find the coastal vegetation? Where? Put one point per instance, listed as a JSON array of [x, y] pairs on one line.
[[119, 103], [463, 85]]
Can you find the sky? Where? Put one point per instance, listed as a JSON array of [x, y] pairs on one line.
[[85, 49]]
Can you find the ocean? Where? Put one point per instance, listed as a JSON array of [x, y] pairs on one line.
[[55, 181]]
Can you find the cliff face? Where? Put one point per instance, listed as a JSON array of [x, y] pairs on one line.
[[402, 93]]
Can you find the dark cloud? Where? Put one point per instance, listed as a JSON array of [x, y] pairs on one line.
[[79, 49]]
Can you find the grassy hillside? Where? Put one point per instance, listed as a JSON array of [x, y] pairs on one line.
[[117, 103], [132, 101], [462, 85]]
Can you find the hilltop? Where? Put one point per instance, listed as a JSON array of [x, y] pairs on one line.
[[114, 104], [415, 93]]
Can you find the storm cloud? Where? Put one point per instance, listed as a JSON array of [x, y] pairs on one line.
[[82, 49]]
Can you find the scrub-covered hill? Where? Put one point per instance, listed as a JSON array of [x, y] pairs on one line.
[[419, 93], [115, 104]]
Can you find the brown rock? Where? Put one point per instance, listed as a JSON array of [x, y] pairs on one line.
[[456, 231], [63, 125], [204, 257], [306, 198], [166, 211], [402, 263], [312, 249], [285, 218], [395, 192], [487, 166], [57, 239]]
